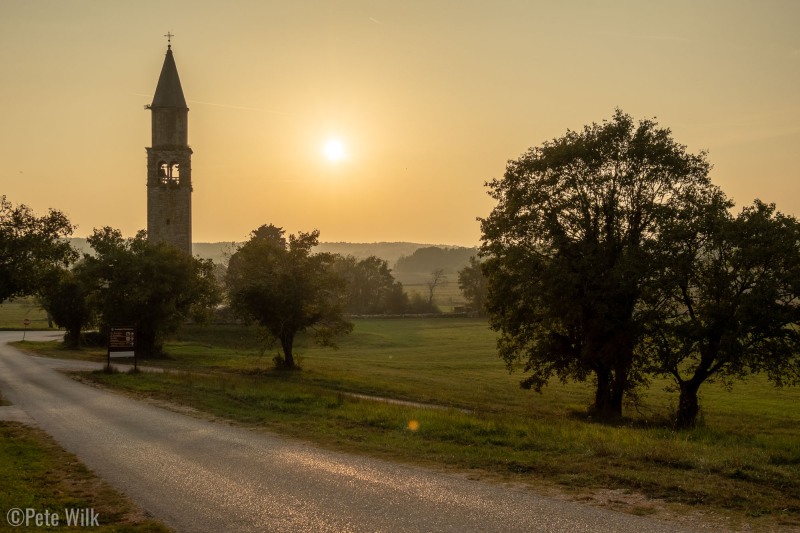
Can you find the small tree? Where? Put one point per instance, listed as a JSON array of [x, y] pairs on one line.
[[438, 279], [473, 284], [730, 302], [286, 289], [30, 247], [152, 286], [65, 298]]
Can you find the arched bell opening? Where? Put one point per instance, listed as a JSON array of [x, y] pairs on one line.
[[175, 172]]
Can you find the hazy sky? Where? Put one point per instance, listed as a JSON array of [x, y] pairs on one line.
[[429, 99]]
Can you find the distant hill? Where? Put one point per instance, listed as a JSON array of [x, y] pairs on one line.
[[429, 258], [220, 251], [389, 251]]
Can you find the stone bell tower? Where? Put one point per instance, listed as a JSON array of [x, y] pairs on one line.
[[169, 162]]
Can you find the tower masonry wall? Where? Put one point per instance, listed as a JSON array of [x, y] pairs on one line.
[[170, 126], [169, 215]]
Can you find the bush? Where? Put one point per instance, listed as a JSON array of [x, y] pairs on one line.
[[93, 339]]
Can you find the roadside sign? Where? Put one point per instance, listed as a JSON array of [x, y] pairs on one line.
[[26, 322], [122, 343]]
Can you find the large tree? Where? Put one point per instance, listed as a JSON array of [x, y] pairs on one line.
[[30, 246], [287, 289], [571, 243], [154, 287], [729, 293]]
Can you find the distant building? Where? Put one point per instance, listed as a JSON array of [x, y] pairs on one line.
[[169, 163]]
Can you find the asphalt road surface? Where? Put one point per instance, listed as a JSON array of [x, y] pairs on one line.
[[197, 476]]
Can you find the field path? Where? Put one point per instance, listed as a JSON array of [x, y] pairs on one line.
[[199, 476]]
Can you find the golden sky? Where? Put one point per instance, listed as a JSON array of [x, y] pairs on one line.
[[428, 99]]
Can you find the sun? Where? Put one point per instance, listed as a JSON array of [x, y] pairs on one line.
[[334, 150]]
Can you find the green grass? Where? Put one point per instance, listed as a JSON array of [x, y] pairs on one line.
[[36, 473], [743, 462]]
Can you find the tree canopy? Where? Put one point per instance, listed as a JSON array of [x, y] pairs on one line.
[[30, 246], [571, 244], [154, 287], [284, 287], [64, 295], [728, 301]]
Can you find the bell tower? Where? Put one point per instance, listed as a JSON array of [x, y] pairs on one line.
[[169, 162]]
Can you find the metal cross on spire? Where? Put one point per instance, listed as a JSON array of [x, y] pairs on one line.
[[169, 35]]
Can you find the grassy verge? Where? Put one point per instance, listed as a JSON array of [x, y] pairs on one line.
[[743, 463], [57, 350], [35, 473]]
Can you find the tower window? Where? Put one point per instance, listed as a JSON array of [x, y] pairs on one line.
[[169, 173], [163, 172]]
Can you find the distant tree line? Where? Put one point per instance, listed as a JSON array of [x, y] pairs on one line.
[[371, 287]]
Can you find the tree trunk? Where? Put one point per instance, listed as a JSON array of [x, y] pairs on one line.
[[72, 338], [688, 405], [287, 341], [147, 345], [618, 388], [602, 394], [620, 384], [609, 394]]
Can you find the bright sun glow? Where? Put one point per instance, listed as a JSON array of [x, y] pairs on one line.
[[334, 150]]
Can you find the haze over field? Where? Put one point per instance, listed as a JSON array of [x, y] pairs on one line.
[[380, 121]]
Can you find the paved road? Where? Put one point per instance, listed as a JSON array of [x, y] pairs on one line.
[[201, 476]]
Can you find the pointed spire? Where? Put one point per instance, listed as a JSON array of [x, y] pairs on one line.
[[168, 91]]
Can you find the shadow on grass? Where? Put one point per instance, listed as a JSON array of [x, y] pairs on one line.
[[652, 421]]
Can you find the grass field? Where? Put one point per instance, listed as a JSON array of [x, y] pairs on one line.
[[742, 464], [14, 312]]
